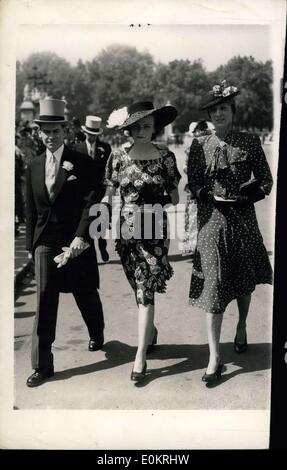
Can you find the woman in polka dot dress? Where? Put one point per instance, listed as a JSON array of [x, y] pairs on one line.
[[146, 174], [230, 258]]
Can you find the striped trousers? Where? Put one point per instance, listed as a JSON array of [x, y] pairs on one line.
[[48, 292]]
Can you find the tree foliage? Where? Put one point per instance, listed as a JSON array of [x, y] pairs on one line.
[[182, 83], [80, 92], [120, 75], [57, 70]]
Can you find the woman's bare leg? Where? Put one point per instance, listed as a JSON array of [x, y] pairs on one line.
[[145, 332], [243, 308], [213, 322]]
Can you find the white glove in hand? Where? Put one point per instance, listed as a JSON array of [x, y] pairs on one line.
[[62, 258], [77, 246], [68, 253]]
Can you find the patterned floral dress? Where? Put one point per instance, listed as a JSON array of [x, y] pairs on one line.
[[145, 261], [230, 258]]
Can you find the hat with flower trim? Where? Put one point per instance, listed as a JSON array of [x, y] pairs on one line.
[[125, 117], [219, 94]]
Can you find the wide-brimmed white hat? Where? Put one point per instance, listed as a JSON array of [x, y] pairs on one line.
[[93, 125], [52, 111]]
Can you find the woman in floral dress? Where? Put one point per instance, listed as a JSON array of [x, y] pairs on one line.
[[146, 175], [230, 258]]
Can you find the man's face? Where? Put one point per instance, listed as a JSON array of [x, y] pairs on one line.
[[91, 138], [52, 135]]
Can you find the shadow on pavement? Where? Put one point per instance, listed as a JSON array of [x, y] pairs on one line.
[[26, 287], [180, 257], [27, 292], [257, 358], [24, 314], [117, 354]]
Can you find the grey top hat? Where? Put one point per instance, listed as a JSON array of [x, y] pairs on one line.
[[51, 111], [93, 125]]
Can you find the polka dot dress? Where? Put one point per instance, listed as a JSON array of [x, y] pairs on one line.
[[230, 257]]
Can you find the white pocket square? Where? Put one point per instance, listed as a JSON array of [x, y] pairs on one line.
[[71, 178]]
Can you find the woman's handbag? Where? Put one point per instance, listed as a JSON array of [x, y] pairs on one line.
[[252, 190]]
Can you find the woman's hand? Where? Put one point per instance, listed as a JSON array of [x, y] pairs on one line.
[[257, 195], [203, 195]]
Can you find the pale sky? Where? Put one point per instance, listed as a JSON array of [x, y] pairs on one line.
[[214, 44]]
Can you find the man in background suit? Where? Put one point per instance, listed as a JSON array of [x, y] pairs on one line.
[[99, 152], [60, 190]]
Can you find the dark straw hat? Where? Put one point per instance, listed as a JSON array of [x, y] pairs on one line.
[[125, 117], [219, 94]]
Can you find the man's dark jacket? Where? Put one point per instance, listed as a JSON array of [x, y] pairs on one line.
[[102, 153], [76, 189]]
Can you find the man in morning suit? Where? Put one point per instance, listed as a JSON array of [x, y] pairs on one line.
[[60, 185], [99, 152]]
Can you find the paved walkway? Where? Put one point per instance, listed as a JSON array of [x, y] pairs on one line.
[[100, 380]]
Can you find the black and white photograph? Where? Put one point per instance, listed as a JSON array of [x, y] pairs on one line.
[[139, 184]]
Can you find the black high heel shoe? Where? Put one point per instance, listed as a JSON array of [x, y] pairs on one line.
[[151, 346], [138, 376], [214, 376], [240, 348]]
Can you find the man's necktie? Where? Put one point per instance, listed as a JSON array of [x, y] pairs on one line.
[[92, 152], [51, 174]]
